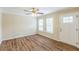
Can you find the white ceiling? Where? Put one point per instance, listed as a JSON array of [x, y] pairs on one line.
[[20, 10]]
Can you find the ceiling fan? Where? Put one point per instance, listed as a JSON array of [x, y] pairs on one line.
[[33, 11]]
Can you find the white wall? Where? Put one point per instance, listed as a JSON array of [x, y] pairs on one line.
[[0, 25], [14, 26]]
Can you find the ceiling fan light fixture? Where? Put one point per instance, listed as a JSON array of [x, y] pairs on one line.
[[33, 14]]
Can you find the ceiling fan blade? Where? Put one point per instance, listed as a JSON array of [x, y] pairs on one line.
[[39, 13], [27, 11]]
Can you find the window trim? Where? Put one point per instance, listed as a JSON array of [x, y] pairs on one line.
[[43, 24], [52, 25]]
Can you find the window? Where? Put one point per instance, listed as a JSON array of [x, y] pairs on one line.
[[49, 25], [40, 23], [68, 19]]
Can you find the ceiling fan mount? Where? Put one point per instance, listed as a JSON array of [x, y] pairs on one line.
[[33, 11]]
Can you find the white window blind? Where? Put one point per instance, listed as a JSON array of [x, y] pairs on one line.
[[49, 25], [40, 23]]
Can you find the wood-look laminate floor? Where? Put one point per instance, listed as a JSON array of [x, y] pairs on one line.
[[35, 43]]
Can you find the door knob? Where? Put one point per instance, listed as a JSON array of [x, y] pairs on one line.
[[76, 42], [76, 29], [60, 30]]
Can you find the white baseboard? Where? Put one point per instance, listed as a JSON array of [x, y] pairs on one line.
[[0, 41], [18, 36]]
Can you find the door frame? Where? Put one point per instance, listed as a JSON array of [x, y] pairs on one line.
[[77, 25]]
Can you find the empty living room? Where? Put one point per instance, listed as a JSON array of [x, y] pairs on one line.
[[39, 28]]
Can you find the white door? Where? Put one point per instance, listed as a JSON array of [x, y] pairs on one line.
[[69, 29]]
